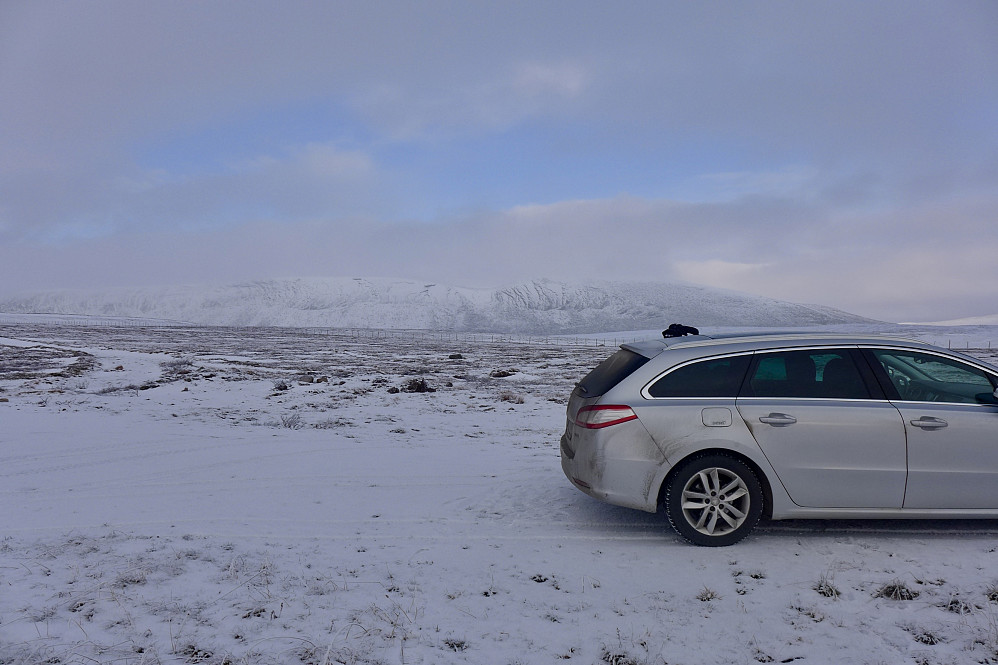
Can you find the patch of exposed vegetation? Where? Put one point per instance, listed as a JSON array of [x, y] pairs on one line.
[[896, 590]]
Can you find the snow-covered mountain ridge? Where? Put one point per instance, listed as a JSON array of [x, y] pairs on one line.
[[537, 307]]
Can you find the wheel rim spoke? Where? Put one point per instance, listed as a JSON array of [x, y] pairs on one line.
[[715, 482], [704, 481], [730, 515], [703, 518], [734, 512], [734, 484], [712, 524], [737, 494]]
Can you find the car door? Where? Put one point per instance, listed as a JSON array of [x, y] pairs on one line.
[[951, 418], [822, 421]]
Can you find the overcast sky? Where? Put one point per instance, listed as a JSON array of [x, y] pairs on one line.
[[842, 153]]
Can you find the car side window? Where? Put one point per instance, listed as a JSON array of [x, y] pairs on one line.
[[926, 377], [813, 373], [715, 377]]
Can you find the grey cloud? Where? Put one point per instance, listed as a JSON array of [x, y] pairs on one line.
[[866, 131], [885, 73], [314, 180], [526, 89]]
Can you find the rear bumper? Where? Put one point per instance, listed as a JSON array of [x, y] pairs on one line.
[[619, 465]]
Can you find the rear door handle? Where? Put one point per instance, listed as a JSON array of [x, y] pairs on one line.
[[778, 419], [928, 422]]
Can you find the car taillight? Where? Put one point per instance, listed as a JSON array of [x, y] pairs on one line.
[[595, 417]]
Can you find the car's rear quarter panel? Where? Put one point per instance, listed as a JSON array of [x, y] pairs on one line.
[[679, 429], [617, 464]]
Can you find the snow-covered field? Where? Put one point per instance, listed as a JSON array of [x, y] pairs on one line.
[[176, 495]]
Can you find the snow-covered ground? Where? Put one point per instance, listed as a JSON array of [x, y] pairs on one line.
[[199, 495]]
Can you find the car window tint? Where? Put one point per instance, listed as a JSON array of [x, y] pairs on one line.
[[925, 377], [817, 373], [610, 372], [771, 369], [717, 377]]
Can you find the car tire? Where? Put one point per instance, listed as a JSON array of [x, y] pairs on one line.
[[713, 500]]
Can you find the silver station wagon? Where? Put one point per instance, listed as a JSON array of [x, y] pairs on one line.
[[720, 431]]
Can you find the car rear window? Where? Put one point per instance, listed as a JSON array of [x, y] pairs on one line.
[[609, 373], [716, 377]]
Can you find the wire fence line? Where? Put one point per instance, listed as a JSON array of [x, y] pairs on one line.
[[473, 337], [401, 334], [572, 340], [91, 322], [948, 339]]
